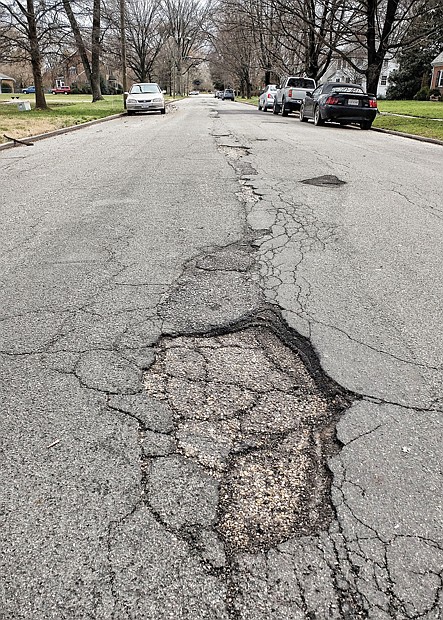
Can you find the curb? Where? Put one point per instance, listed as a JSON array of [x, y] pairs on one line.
[[57, 132], [411, 136]]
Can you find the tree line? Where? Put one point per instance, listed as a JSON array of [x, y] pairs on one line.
[[245, 42]]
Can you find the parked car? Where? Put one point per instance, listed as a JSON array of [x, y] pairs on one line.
[[228, 93], [194, 92], [266, 99], [219, 94], [145, 97], [61, 90], [28, 90], [341, 103], [290, 94]]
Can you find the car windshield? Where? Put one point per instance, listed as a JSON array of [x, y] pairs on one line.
[[301, 83], [144, 88]]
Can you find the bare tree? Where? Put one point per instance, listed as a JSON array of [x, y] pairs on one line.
[[187, 29], [348, 27], [92, 68], [310, 30], [27, 29], [146, 33]]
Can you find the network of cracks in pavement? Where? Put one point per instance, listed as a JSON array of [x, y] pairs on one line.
[[252, 420]]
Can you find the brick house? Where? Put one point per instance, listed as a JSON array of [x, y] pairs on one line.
[[70, 71], [437, 73]]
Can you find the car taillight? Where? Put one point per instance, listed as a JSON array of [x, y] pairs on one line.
[[372, 103], [269, 96], [290, 92], [332, 100]]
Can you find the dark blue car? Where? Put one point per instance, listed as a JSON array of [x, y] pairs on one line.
[[28, 90]]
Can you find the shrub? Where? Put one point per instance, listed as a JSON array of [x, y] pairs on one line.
[[434, 92], [423, 94], [80, 88]]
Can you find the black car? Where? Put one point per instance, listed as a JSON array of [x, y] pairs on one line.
[[340, 103]]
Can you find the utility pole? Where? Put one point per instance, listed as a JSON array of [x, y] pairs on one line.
[[123, 50]]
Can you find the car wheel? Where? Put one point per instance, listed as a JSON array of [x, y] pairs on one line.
[[276, 108], [302, 117], [365, 124], [284, 111], [259, 105], [317, 117], [163, 111]]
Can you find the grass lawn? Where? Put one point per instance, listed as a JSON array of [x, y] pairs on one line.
[[65, 111], [423, 109], [417, 126], [253, 100]]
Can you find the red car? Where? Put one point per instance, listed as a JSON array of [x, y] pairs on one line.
[[61, 90]]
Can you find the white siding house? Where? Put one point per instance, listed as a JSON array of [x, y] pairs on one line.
[[341, 71]]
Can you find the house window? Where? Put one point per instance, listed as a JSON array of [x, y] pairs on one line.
[[348, 80], [383, 80], [439, 79]]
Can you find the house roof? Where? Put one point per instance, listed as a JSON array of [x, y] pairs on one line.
[[438, 60], [6, 77]]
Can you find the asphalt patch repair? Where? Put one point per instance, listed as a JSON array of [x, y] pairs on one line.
[[258, 418]]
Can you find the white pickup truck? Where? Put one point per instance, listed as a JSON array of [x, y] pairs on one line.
[[290, 94]]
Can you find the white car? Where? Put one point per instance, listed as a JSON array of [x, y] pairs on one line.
[[145, 97], [266, 99]]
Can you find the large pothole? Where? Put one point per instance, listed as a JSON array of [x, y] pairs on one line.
[[247, 410]]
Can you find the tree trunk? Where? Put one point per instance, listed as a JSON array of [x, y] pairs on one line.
[[377, 49], [95, 73], [36, 62], [92, 70]]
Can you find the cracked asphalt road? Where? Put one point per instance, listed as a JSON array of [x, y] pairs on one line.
[[221, 386]]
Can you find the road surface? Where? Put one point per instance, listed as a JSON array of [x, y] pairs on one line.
[[221, 371]]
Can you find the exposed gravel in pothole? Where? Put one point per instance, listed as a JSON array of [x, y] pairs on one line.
[[246, 410]]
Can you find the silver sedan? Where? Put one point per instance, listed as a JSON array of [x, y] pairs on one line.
[[266, 99], [145, 97]]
